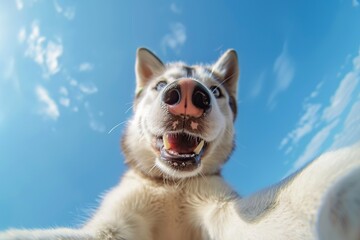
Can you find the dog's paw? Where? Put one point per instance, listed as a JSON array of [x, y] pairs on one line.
[[339, 216]]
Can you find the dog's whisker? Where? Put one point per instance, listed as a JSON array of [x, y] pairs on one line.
[[117, 125], [131, 107], [152, 168]]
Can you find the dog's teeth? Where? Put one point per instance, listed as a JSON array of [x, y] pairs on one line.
[[199, 147], [166, 142]]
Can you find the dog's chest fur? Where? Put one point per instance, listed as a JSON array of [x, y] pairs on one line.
[[167, 207], [173, 219]]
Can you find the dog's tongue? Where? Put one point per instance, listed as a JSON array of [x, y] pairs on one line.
[[180, 143]]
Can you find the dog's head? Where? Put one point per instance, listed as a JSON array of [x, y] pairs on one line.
[[183, 120]]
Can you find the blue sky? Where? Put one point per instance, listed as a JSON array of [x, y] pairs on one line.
[[67, 83]]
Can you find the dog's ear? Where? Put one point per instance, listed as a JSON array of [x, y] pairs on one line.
[[227, 66], [147, 66]]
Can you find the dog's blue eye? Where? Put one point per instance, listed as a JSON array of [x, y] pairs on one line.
[[160, 85], [216, 91]]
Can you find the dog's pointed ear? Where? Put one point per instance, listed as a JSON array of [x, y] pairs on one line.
[[227, 66], [147, 66]]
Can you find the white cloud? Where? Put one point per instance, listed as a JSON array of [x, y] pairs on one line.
[[73, 82], [63, 91], [284, 71], [175, 9], [351, 131], [304, 126], [94, 124], [53, 52], [35, 49], [175, 39], [22, 35], [330, 117], [89, 88], [57, 6], [256, 90], [86, 67], [49, 108], [64, 101], [356, 62], [313, 148], [340, 100], [67, 12], [315, 93], [47, 57], [97, 126], [355, 3], [19, 4]]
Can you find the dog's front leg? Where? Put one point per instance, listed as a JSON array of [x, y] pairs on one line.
[[320, 202], [339, 217], [46, 234]]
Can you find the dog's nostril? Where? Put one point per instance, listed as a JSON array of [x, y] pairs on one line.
[[172, 96], [201, 98]]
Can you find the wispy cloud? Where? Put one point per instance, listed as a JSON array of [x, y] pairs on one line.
[[22, 35], [35, 49], [53, 52], [88, 88], [63, 91], [86, 67], [334, 114], [315, 93], [175, 39], [355, 3], [19, 4], [67, 12], [306, 123], [43, 52], [304, 126], [49, 108], [284, 70], [175, 8], [46, 52], [351, 130], [64, 101], [94, 123], [340, 100], [313, 148], [258, 86]]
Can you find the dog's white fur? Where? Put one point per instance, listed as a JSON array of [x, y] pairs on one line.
[[156, 201]]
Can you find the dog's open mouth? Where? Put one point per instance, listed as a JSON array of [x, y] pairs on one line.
[[181, 151]]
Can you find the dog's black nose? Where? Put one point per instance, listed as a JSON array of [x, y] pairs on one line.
[[172, 94], [187, 97], [201, 97]]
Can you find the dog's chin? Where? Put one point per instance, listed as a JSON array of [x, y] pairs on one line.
[[179, 154]]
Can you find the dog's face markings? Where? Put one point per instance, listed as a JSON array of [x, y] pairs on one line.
[[183, 116], [194, 125]]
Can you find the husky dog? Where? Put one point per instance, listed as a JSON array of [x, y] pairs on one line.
[[178, 139]]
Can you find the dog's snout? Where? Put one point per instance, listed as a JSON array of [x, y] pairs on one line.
[[187, 97]]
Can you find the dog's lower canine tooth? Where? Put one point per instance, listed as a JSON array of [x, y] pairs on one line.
[[199, 147], [166, 142]]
